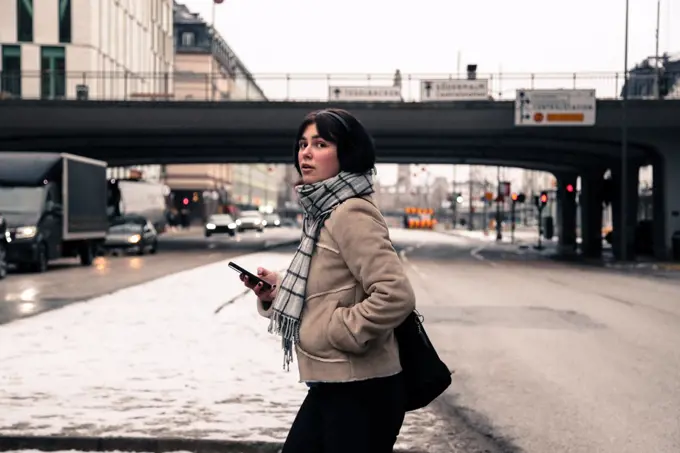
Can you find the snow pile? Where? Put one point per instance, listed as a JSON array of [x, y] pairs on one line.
[[156, 360]]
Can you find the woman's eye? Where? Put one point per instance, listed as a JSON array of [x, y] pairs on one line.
[[320, 145], [302, 145]]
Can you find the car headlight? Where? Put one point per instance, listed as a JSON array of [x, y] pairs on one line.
[[210, 226], [135, 238], [238, 222], [26, 232], [264, 222], [231, 226], [8, 236], [276, 222]]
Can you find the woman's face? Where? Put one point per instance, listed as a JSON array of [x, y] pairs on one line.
[[317, 157]]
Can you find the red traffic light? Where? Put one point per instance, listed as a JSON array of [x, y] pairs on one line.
[[544, 198], [570, 188], [514, 196], [185, 201]]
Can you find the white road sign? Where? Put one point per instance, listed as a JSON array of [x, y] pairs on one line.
[[454, 90], [359, 93], [555, 108]]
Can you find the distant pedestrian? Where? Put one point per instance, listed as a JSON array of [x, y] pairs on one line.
[[341, 298]]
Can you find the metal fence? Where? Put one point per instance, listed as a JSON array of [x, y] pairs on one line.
[[192, 86]]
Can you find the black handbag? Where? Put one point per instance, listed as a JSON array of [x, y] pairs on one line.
[[426, 376]]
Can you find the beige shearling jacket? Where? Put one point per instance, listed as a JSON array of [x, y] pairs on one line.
[[357, 293]]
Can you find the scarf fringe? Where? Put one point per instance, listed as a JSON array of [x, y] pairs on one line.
[[288, 327]]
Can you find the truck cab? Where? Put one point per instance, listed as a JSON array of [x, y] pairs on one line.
[[34, 223], [54, 206]]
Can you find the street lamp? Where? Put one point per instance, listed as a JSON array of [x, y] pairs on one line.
[[624, 148], [212, 49]]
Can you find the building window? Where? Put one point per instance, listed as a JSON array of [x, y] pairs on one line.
[[10, 76], [24, 20], [188, 39], [65, 21], [53, 72]]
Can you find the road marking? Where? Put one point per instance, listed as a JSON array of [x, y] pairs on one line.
[[475, 254], [418, 271], [402, 255]]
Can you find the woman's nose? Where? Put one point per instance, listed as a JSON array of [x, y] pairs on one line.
[[306, 152]]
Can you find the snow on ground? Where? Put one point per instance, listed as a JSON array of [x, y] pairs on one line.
[[520, 236], [398, 235], [155, 360], [79, 451]]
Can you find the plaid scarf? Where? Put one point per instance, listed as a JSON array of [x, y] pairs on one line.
[[318, 201]]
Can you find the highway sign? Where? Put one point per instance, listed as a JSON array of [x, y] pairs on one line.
[[454, 90], [555, 108], [364, 93]]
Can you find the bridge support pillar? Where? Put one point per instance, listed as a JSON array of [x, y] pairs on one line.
[[590, 202], [633, 179], [666, 201], [566, 213]]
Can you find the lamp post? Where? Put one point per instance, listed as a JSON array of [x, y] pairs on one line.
[[212, 49], [623, 236]]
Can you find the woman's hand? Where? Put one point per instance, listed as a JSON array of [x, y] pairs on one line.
[[269, 277]]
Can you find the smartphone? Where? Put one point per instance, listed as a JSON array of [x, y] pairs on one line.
[[252, 277]]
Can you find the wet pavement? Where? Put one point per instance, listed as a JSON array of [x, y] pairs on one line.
[[66, 282]]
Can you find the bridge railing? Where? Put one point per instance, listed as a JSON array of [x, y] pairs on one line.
[[193, 86]]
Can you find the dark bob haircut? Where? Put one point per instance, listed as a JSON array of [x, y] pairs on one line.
[[356, 150]]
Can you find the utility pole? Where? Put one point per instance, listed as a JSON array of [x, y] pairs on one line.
[[623, 234], [499, 232], [656, 53], [471, 212], [454, 200]]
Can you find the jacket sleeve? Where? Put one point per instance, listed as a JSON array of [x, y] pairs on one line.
[[363, 241], [265, 308]]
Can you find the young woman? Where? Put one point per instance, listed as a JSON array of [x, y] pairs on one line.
[[341, 298]]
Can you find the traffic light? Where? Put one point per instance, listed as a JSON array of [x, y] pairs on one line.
[[543, 199], [514, 197], [521, 198], [570, 188], [185, 201], [459, 198]]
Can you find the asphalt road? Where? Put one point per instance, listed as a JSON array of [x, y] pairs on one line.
[[66, 282], [549, 357]]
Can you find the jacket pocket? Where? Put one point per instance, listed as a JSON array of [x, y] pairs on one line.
[[340, 337], [314, 331]]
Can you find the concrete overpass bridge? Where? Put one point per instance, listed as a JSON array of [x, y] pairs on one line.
[[474, 132]]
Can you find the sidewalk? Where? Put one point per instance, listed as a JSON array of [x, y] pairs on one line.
[[522, 236], [525, 240], [157, 361]]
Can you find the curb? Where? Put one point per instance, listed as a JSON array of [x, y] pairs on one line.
[[518, 242], [281, 244], [140, 444]]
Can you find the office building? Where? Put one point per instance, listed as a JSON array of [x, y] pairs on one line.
[[105, 49], [207, 69]]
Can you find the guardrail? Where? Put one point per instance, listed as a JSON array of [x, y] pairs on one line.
[[192, 86]]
